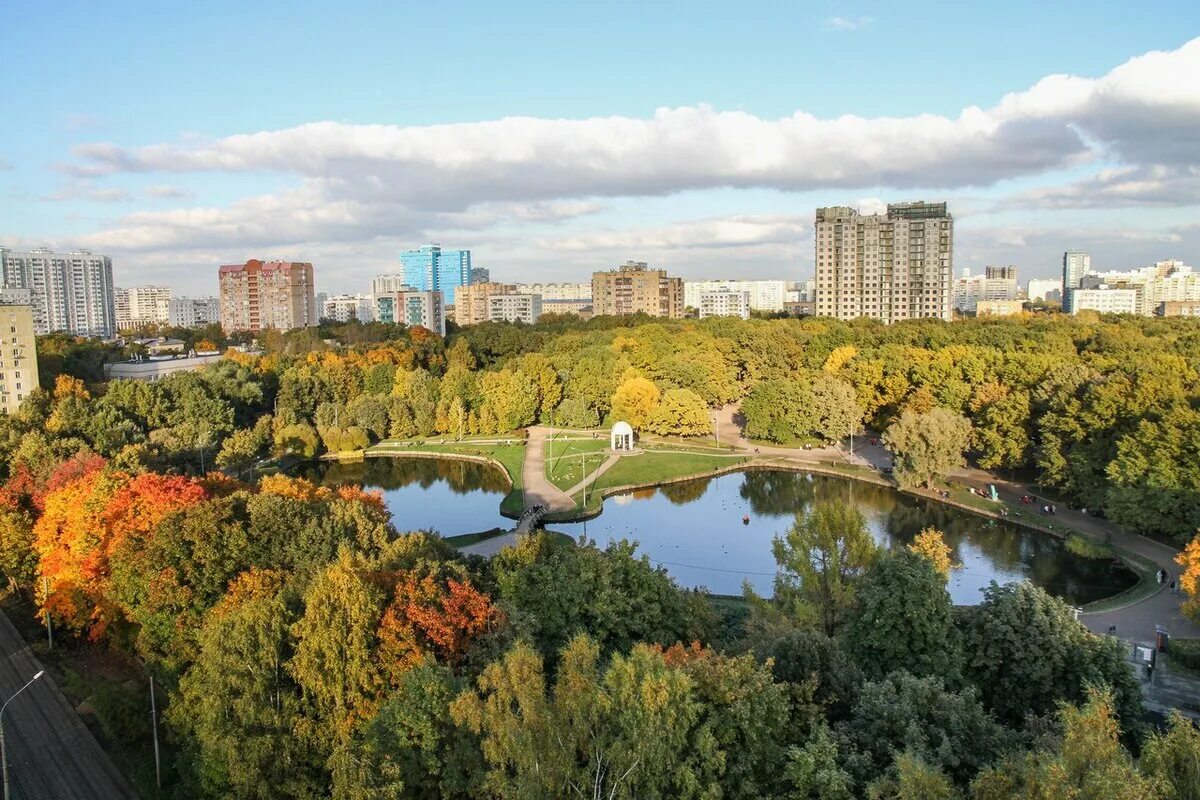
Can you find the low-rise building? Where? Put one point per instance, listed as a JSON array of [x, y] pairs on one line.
[[998, 308], [18, 356], [155, 368], [412, 308], [525, 308], [1178, 308], [724, 303]]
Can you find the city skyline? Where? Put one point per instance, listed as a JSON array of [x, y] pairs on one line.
[[709, 171]]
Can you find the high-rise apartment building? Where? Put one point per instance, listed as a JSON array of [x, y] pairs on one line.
[[481, 275], [634, 288], [138, 306], [768, 295], [192, 312], [890, 267], [345, 307], [411, 308], [996, 284], [262, 295], [722, 303], [71, 292], [18, 356], [432, 269], [473, 307], [1076, 264], [525, 308]]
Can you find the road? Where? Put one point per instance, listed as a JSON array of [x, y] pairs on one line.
[[51, 754]]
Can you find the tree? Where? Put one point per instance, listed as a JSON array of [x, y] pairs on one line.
[[1089, 763], [335, 663], [821, 560], [680, 412], [1189, 579], [905, 620], [1173, 759], [1026, 652], [18, 559], [919, 716], [299, 439], [634, 401], [931, 545], [927, 446], [835, 407], [626, 732], [914, 780], [237, 706], [999, 433], [778, 411], [813, 771], [511, 396], [412, 748]]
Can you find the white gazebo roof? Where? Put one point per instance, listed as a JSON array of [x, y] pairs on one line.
[[622, 428]]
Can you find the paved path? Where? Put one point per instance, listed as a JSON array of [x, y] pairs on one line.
[[538, 490], [51, 754], [613, 458]]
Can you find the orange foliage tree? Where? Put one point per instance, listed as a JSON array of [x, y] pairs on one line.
[[82, 523], [428, 615], [1189, 579]]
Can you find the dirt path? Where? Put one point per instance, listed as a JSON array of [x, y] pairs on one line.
[[538, 489]]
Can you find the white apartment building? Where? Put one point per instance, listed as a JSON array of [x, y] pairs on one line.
[[970, 289], [142, 305], [1049, 290], [345, 307], [1165, 281], [721, 303], [71, 292], [1076, 264], [426, 309], [765, 295], [557, 291], [193, 312], [1104, 300], [889, 267], [386, 284], [525, 308], [801, 291]]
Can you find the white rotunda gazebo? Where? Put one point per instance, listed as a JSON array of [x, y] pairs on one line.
[[621, 438]]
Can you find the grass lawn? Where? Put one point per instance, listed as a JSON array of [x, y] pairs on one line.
[[564, 467], [656, 466]]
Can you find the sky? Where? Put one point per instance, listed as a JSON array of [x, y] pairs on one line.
[[554, 139]]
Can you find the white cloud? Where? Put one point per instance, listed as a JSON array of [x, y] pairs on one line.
[[164, 191], [86, 191], [846, 23]]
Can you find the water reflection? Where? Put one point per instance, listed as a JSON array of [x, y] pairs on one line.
[[696, 530], [450, 497]]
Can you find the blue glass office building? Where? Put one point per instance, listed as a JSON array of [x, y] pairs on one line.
[[432, 269]]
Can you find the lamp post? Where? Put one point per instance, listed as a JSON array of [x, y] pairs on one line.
[[3, 751]]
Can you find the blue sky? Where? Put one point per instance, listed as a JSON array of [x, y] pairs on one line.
[[128, 122]]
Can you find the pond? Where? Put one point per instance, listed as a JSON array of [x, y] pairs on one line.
[[695, 530]]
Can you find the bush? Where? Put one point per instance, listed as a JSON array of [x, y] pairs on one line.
[[1185, 652]]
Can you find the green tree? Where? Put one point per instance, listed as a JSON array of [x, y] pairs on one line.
[[813, 771], [821, 560], [511, 397], [1172, 759], [905, 620], [927, 446], [835, 407], [680, 412], [778, 411], [1026, 652]]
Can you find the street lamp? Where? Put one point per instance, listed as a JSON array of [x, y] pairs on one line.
[[3, 752]]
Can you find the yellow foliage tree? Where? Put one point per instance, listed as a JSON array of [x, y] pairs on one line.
[[634, 401], [931, 544], [840, 357], [1189, 579]]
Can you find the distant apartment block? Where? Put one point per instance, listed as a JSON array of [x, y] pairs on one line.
[[557, 291], [18, 356], [412, 308], [386, 284], [264, 295], [525, 308], [997, 283], [1163, 282], [480, 275], [633, 288], [998, 308], [194, 312], [473, 305], [765, 295], [1178, 308], [138, 306], [1076, 264], [1104, 300], [581, 307], [70, 292], [1046, 290], [432, 269], [721, 303], [346, 307], [890, 267]]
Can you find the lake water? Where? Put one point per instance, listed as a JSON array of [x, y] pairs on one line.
[[695, 529]]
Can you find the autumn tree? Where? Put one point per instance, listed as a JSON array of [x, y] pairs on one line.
[[680, 412], [1172, 758], [1189, 578], [634, 401], [821, 561], [931, 545], [927, 446]]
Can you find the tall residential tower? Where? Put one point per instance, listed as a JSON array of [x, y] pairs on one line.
[[431, 269], [259, 295], [889, 267], [70, 292], [633, 288]]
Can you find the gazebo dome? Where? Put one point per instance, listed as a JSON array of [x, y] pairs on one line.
[[621, 437]]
